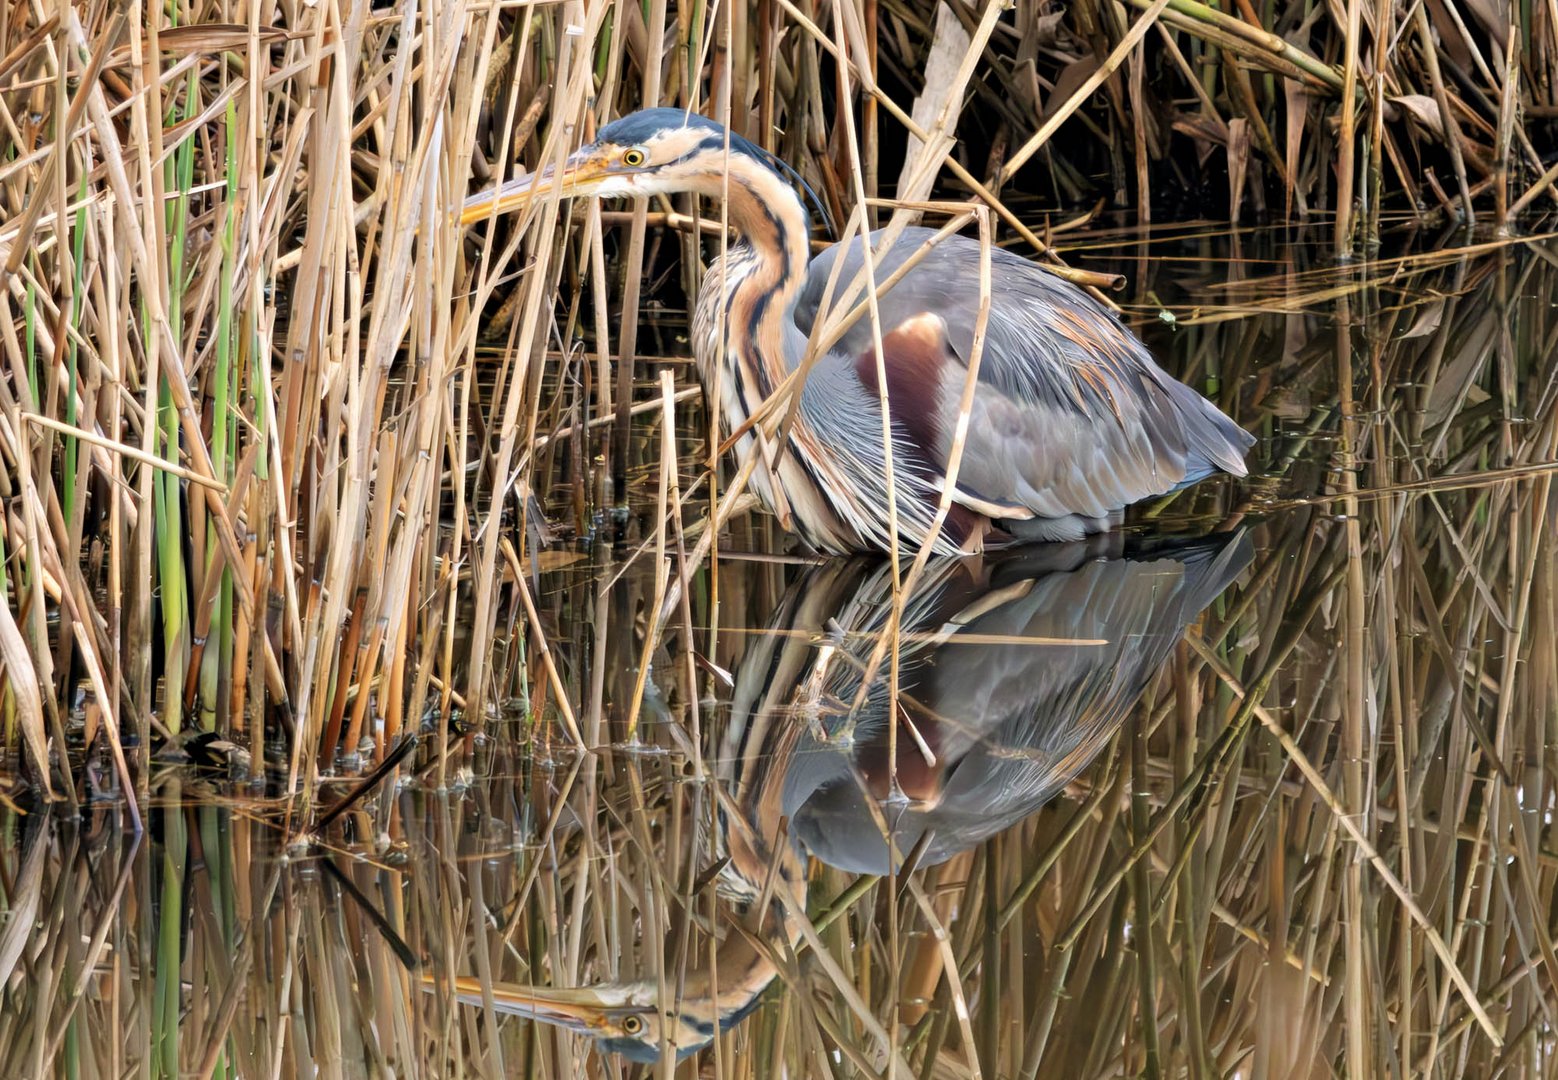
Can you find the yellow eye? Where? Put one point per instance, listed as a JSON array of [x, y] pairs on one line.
[[633, 158], [632, 1025]]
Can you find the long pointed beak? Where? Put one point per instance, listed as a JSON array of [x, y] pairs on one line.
[[582, 1009], [581, 174]]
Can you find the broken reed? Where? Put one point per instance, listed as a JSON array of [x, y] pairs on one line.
[[256, 469]]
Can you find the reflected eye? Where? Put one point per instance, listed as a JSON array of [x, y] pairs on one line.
[[632, 1025], [633, 158]]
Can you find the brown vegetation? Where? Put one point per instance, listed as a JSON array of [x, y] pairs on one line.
[[274, 432]]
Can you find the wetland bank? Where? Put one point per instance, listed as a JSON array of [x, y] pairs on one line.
[[295, 472]]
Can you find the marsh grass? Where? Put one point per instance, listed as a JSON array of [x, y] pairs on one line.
[[249, 383], [275, 435], [1218, 893]]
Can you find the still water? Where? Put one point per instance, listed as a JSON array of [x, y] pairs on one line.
[[1262, 788]]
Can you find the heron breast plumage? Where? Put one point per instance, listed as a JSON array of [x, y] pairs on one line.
[[1071, 419]]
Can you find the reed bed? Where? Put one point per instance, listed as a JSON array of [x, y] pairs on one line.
[[287, 458], [1329, 813], [273, 429]]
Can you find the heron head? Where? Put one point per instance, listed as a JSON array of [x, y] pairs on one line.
[[622, 1017], [653, 152], [649, 152]]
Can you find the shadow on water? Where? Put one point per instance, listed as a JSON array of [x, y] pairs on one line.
[[1253, 804]]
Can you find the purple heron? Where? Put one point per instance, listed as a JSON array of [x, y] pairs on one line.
[[1071, 419]]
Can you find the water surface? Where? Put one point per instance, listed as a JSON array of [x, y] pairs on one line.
[[1263, 787]]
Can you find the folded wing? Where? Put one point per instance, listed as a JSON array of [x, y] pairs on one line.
[[1071, 418]]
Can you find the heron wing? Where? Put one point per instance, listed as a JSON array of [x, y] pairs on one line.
[[1018, 720], [1048, 710], [1071, 414]]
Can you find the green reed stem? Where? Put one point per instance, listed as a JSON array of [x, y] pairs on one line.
[[169, 512], [30, 343], [72, 359], [167, 1000]]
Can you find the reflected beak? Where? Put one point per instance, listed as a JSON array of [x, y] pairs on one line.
[[581, 174], [582, 1009]]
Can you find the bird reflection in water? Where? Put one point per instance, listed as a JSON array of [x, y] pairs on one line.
[[1014, 673]]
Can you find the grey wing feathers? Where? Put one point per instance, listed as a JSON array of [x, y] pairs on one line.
[[1023, 719], [1073, 417], [1057, 703]]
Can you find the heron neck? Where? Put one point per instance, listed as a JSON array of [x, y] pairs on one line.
[[760, 277], [769, 216], [765, 873], [742, 967]]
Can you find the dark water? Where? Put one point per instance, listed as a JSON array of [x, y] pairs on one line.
[[1263, 787]]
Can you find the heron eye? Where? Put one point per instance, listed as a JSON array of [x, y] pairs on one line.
[[633, 158], [632, 1025]]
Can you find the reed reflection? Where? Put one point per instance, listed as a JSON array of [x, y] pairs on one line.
[[1013, 674]]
